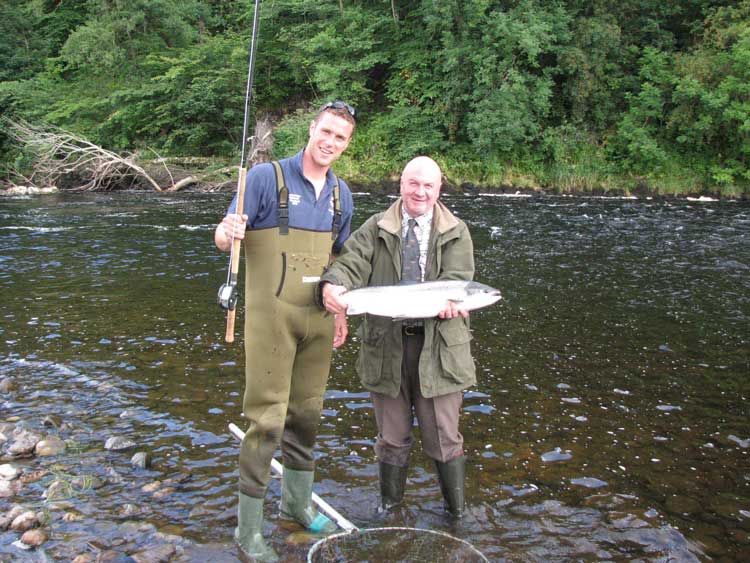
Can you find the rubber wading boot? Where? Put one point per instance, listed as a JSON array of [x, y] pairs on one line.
[[451, 475], [392, 483], [296, 495], [249, 532]]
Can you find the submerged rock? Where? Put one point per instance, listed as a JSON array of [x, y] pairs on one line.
[[8, 472], [24, 442], [141, 460], [34, 538], [7, 385], [156, 554], [25, 521], [118, 443], [52, 445]]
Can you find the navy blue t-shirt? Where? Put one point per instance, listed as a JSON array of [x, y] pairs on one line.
[[305, 212]]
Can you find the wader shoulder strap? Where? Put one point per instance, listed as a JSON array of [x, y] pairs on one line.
[[282, 199], [336, 227]]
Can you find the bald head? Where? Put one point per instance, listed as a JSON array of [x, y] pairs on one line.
[[420, 185]]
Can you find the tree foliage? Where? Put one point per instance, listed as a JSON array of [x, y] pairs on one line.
[[641, 88]]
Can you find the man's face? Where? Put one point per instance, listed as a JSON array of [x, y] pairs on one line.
[[420, 187], [329, 137]]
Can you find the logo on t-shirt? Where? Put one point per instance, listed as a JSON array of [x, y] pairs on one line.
[[294, 199]]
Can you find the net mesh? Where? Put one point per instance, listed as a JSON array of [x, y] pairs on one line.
[[394, 545]]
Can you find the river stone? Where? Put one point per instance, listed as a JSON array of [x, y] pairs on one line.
[[57, 490], [24, 442], [52, 445], [156, 554], [8, 472], [7, 488], [34, 538], [7, 385], [117, 443], [84, 558], [52, 420], [25, 521], [3, 438], [141, 460]]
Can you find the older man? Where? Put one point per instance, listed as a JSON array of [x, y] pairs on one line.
[[414, 367], [296, 215]]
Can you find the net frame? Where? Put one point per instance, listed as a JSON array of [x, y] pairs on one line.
[[321, 543]]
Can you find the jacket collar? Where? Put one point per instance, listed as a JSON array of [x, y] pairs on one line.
[[442, 219]]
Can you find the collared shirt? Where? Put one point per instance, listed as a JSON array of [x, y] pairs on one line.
[[422, 232], [306, 212]]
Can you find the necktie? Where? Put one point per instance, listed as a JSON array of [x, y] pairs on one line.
[[410, 270]]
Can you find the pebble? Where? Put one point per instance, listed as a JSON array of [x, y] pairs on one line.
[[141, 460], [9, 472], [7, 489], [7, 385], [52, 445], [34, 538], [24, 442], [156, 554], [25, 521], [118, 443]]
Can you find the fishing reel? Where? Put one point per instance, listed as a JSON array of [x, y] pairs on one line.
[[227, 297]]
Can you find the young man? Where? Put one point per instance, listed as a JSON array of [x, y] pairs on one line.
[[412, 368], [288, 340]]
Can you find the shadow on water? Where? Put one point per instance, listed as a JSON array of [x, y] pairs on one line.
[[610, 421]]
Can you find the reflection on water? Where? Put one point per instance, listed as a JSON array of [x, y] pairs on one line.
[[610, 421]]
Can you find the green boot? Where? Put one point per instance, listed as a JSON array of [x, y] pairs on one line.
[[392, 484], [248, 535], [451, 475], [296, 494]]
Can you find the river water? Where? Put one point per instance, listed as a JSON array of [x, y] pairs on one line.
[[610, 421]]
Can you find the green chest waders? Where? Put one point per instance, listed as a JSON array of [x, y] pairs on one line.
[[288, 345]]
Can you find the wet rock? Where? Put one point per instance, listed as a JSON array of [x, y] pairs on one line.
[[7, 489], [7, 385], [588, 482], [52, 445], [33, 476], [8, 472], [163, 493], [128, 510], [141, 460], [151, 487], [24, 442], [34, 538], [25, 521], [84, 482], [118, 443], [556, 455], [85, 558], [72, 517], [156, 554], [52, 420], [3, 438], [58, 490]]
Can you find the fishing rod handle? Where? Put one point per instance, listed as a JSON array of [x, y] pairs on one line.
[[234, 267]]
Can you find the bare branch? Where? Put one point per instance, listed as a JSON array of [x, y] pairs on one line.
[[59, 153]]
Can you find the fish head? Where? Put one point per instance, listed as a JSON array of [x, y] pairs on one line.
[[479, 295]]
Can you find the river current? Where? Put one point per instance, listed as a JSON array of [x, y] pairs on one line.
[[610, 421]]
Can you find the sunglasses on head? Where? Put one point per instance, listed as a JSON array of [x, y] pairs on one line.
[[339, 105]]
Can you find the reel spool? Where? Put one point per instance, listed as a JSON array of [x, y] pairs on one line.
[[227, 297]]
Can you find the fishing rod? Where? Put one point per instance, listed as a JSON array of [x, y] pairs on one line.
[[228, 291]]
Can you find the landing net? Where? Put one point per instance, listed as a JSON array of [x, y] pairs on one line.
[[394, 545]]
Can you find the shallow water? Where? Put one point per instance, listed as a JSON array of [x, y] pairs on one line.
[[610, 421]]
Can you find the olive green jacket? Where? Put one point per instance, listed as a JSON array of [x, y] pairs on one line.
[[372, 256]]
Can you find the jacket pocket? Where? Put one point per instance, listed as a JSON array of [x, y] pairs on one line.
[[371, 353], [455, 350]]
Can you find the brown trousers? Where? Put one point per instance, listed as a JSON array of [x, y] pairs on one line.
[[437, 417]]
